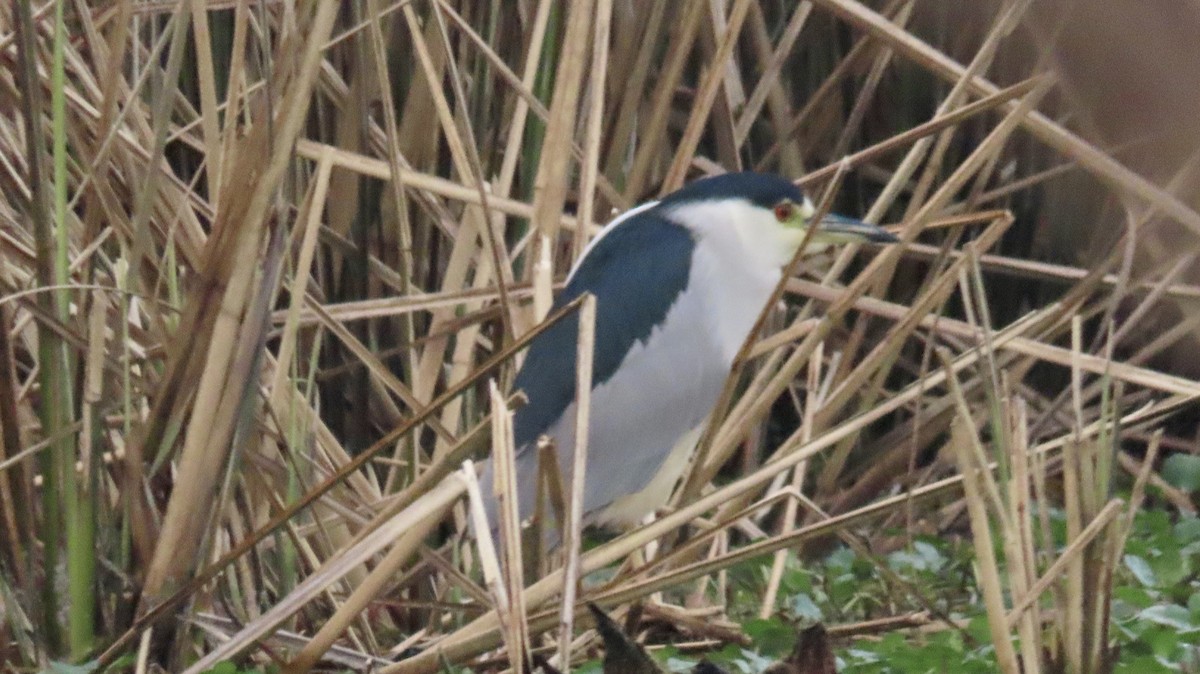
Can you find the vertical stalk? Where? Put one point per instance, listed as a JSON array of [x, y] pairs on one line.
[[51, 350], [535, 132], [76, 494]]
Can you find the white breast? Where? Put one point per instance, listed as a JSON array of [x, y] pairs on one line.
[[732, 276]]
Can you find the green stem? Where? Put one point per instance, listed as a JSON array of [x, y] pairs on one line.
[[77, 498], [50, 345]]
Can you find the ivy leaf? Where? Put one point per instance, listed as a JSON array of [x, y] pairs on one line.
[[1182, 471]]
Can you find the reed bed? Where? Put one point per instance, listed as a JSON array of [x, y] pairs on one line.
[[269, 267]]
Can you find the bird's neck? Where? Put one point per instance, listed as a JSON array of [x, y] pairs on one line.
[[735, 288]]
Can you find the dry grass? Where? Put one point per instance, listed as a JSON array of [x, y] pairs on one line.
[[268, 268]]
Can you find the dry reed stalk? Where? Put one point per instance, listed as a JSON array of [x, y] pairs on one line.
[[200, 459], [624, 114], [373, 586], [819, 98], [466, 162], [590, 164], [516, 130], [851, 126], [983, 58], [437, 185], [779, 106], [1081, 635], [210, 122], [543, 270], [428, 508], [399, 200], [813, 400], [941, 121], [507, 499], [347, 469], [489, 561], [730, 94], [681, 43], [769, 80], [385, 307], [1130, 374], [465, 343], [550, 189], [1035, 270], [433, 75], [375, 367], [977, 482], [1020, 545], [303, 269], [573, 528], [14, 500], [1059, 566], [699, 117], [496, 246]]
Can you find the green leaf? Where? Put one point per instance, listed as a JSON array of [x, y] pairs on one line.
[[773, 637], [1170, 615], [1182, 471], [1187, 530], [1141, 570]]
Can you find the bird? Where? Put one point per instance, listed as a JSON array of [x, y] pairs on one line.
[[679, 284]]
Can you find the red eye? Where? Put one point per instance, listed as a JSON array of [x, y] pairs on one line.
[[783, 212]]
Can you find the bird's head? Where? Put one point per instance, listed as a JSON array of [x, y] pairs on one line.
[[764, 212]]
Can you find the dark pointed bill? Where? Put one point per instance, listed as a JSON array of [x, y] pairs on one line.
[[852, 229]]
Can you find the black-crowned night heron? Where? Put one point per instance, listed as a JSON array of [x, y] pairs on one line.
[[679, 284]]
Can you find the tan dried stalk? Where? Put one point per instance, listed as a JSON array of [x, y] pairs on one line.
[[204, 452]]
